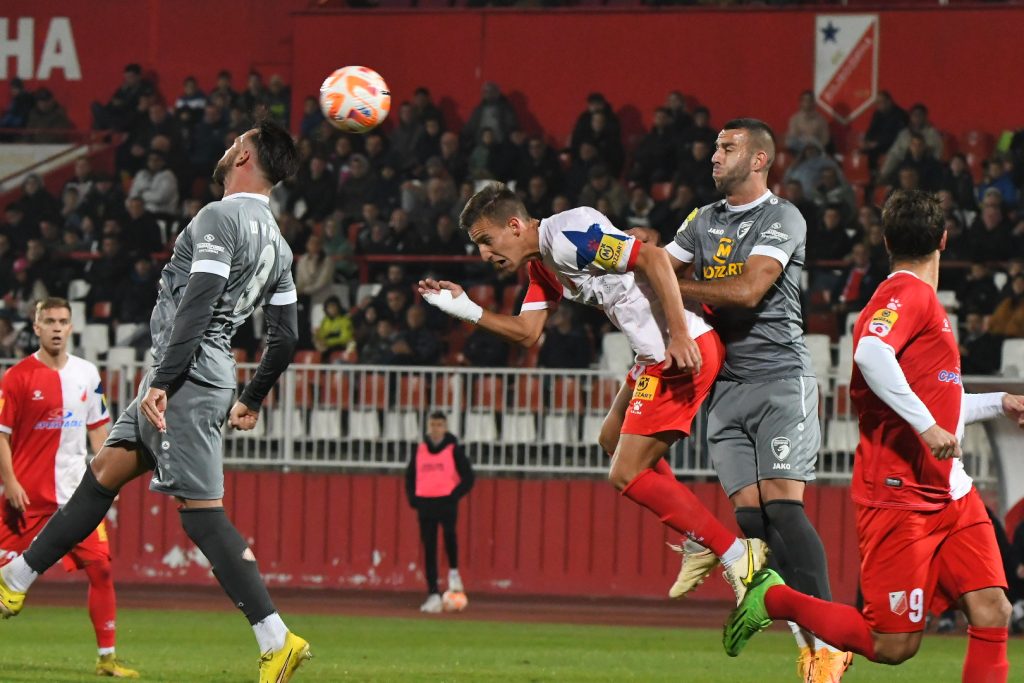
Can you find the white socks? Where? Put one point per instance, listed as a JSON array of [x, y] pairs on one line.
[[801, 639], [106, 651], [736, 552], [18, 575], [270, 633]]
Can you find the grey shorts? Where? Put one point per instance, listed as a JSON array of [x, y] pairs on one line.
[[766, 430], [187, 459]]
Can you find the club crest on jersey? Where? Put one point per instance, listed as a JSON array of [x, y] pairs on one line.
[[898, 603], [781, 448], [596, 246], [645, 388], [744, 228], [882, 321], [693, 214]]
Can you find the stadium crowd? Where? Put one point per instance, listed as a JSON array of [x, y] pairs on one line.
[[398, 191]]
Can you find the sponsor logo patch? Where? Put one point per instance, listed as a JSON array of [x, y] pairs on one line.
[[898, 603], [882, 321], [781, 448], [645, 388], [609, 252], [724, 249], [894, 482], [947, 376], [693, 214]]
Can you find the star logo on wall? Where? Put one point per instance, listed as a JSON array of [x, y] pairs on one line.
[[830, 32]]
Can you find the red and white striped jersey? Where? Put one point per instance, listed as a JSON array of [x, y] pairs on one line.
[[47, 414]]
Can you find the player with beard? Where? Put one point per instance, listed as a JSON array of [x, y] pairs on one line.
[[746, 253], [229, 259]]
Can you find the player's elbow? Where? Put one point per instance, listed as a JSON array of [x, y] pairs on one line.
[[749, 296]]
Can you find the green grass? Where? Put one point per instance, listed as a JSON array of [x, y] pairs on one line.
[[55, 645]]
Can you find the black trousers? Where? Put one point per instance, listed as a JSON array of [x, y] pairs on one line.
[[430, 518]]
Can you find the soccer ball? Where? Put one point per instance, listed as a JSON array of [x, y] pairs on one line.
[[355, 99], [454, 601]]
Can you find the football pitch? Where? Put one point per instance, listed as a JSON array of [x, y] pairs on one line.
[[54, 644]]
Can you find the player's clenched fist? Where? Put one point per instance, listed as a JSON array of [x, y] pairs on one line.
[[1013, 406], [682, 353], [242, 417], [942, 444]]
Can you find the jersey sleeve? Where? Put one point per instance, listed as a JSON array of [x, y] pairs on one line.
[[544, 290], [284, 293], [897, 315], [785, 231], [214, 237], [684, 245], [9, 401], [588, 240], [96, 404]]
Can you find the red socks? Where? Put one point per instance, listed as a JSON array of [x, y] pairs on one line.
[[676, 506], [102, 603], [986, 655], [838, 625]]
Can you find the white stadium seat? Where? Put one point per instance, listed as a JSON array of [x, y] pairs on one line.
[[518, 427], [841, 436], [820, 348], [1013, 358], [480, 427], [947, 297], [616, 353], [845, 368], [364, 425], [95, 340], [325, 425], [125, 332]]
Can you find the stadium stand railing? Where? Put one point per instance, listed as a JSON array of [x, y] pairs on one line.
[[519, 421]]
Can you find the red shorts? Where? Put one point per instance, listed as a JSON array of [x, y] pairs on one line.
[[915, 562], [662, 403], [17, 532]]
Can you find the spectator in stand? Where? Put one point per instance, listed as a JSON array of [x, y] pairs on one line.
[[979, 351], [336, 331], [392, 303], [1017, 237], [608, 141], [989, 238], [25, 291], [136, 299], [141, 234], [540, 160], [485, 157], [254, 95], [857, 284], [678, 112], [70, 216], [654, 160], [538, 199], [405, 137], [950, 207], [156, 185], [8, 338], [312, 117], [224, 89], [37, 202], [875, 241], [425, 109], [404, 237], [700, 130], [49, 234], [957, 179], [834, 190], [579, 172], [376, 151], [484, 350], [417, 344], [377, 349], [106, 275], [907, 179], [668, 215], [581, 131], [428, 144], [82, 179], [830, 241], [7, 258], [793, 191], [339, 250], [957, 248], [206, 143], [315, 187], [638, 211], [1014, 267], [808, 167], [867, 216], [807, 125], [494, 112], [104, 200], [999, 175], [1008, 318], [121, 112], [314, 271], [978, 292], [919, 157], [18, 107], [278, 99], [566, 344], [886, 123], [603, 185], [132, 155], [695, 170], [451, 158], [358, 184], [918, 123], [17, 225], [191, 102]]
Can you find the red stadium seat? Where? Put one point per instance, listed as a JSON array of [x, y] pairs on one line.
[[881, 194], [411, 392], [976, 164], [602, 393], [447, 392], [488, 393], [526, 394], [661, 191], [483, 295], [510, 297], [373, 391], [855, 168], [102, 310], [565, 395]]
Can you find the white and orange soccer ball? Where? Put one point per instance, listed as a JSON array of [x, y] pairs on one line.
[[454, 601], [355, 99]]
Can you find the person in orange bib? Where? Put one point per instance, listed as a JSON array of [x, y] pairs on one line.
[[438, 476]]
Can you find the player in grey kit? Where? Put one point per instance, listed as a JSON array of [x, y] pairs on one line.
[[747, 252], [229, 259]]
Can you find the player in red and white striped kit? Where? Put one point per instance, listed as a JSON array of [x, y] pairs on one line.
[[579, 255], [926, 542], [49, 403]]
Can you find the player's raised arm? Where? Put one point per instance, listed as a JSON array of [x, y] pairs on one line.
[[523, 329]]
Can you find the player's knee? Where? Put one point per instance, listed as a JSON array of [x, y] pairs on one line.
[[990, 609], [100, 573], [608, 440], [895, 651]]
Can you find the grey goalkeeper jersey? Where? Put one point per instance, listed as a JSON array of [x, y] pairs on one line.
[[766, 342], [237, 239]]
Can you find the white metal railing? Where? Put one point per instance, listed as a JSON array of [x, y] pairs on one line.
[[520, 420]]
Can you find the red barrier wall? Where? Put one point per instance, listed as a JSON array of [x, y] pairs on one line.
[[963, 62], [539, 536]]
